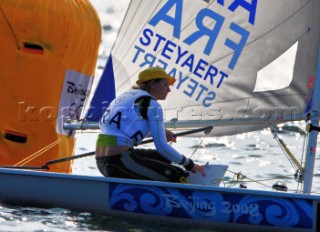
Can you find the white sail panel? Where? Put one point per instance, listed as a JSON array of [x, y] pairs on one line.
[[215, 50], [268, 77]]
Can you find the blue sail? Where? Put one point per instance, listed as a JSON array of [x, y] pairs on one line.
[[104, 94]]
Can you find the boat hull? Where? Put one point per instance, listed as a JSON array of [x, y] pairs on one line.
[[184, 204]]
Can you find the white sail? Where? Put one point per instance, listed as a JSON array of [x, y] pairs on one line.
[[231, 59]]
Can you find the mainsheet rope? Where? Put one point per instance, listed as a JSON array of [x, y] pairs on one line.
[[206, 132]]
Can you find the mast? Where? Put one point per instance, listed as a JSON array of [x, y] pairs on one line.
[[312, 143]]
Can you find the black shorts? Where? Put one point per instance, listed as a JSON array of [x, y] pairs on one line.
[[146, 164]]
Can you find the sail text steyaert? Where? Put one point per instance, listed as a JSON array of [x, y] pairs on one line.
[[196, 76]]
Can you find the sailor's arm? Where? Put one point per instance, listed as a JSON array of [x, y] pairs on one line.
[[155, 118]]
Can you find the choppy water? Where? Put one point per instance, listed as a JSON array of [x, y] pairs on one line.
[[256, 155]]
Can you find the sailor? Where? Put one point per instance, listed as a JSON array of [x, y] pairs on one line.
[[130, 118]]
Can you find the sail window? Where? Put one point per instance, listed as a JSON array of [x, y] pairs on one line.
[[279, 73], [33, 48]]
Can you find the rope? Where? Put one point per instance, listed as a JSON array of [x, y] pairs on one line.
[[10, 27], [38, 153], [206, 132], [240, 179], [294, 162]]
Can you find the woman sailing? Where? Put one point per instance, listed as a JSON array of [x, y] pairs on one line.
[[128, 120]]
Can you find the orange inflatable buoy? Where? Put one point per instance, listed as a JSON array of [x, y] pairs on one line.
[[48, 54]]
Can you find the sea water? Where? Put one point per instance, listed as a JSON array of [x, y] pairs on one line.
[[255, 155]]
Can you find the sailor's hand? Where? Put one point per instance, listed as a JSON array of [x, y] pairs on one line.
[[198, 168], [171, 137]]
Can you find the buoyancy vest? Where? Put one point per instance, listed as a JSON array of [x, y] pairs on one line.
[[123, 119]]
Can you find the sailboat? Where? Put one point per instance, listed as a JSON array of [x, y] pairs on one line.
[[239, 66]]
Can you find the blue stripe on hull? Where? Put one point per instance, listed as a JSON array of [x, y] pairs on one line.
[[212, 206]]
